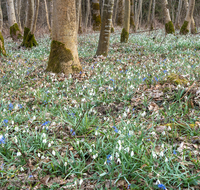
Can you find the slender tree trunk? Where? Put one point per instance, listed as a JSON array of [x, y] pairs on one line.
[[169, 27], [104, 37], [132, 21], [80, 20], [193, 26], [85, 13], [18, 11], [14, 28], [96, 15], [1, 18], [177, 23], [63, 57], [29, 38], [152, 25], [78, 12], [115, 11], [189, 16], [47, 15], [125, 30], [36, 16], [120, 12], [139, 10], [2, 49], [149, 13]]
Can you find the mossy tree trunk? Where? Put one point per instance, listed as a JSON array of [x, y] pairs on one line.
[[29, 38], [177, 23], [104, 37], [169, 27], [1, 18], [152, 23], [2, 49], [149, 13], [126, 28], [132, 21], [96, 17], [63, 56], [120, 13], [15, 32], [189, 16]]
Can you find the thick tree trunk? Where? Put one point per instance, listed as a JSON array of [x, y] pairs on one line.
[[47, 15], [96, 17], [1, 18], [2, 49], [169, 27], [177, 23], [105, 28], [153, 16], [120, 12], [149, 13], [63, 57], [29, 38], [14, 28], [189, 17], [36, 16], [125, 30]]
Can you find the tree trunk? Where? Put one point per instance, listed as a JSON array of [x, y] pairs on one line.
[[153, 16], [169, 27], [138, 12], [85, 13], [14, 28], [36, 16], [149, 13], [189, 16], [104, 38], [1, 18], [120, 12], [125, 30], [78, 10], [18, 10], [51, 12], [96, 17], [63, 57], [177, 23], [29, 38], [2, 49], [132, 21], [47, 15], [115, 11], [80, 31], [193, 26]]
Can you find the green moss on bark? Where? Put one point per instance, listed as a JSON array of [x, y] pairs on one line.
[[96, 17], [28, 39], [15, 32], [112, 30], [95, 6], [61, 59], [124, 36], [184, 29], [2, 49], [169, 28]]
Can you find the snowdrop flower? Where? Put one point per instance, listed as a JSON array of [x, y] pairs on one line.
[[81, 181], [117, 155], [124, 114], [154, 154], [43, 135], [44, 141], [132, 153], [120, 147], [163, 133], [38, 154], [118, 161], [127, 149], [90, 150], [42, 157], [16, 128], [166, 159], [161, 153], [130, 133], [21, 169], [19, 154], [53, 152], [95, 156], [49, 145], [65, 164], [153, 133]]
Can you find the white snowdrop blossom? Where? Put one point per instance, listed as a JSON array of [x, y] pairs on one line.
[[118, 161], [49, 145], [44, 141], [161, 153], [166, 159], [19, 154], [53, 152], [43, 135], [80, 181], [16, 128], [132, 153], [90, 150], [21, 169], [154, 154], [95, 156], [38, 154], [117, 155], [65, 164], [42, 157], [143, 114]]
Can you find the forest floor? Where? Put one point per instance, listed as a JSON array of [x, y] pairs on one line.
[[127, 121]]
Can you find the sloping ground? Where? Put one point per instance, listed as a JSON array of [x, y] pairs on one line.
[[129, 120]]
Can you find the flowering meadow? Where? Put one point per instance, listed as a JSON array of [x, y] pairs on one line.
[[127, 121]]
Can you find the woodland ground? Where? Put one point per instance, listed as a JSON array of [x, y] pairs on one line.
[[127, 121]]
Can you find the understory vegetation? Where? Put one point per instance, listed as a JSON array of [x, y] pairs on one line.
[[127, 121]]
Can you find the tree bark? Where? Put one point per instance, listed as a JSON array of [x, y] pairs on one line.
[[96, 17], [29, 38], [177, 23], [63, 57], [138, 12], [14, 28], [36, 16], [189, 17], [47, 14], [115, 8], [169, 27], [153, 16], [120, 12], [1, 18], [104, 37], [125, 30], [18, 11], [78, 9], [85, 13], [132, 19], [2, 49], [149, 13]]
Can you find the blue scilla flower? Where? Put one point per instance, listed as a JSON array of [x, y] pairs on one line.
[[2, 139], [115, 129], [73, 134], [10, 106], [174, 152], [5, 121], [161, 186], [45, 123]]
